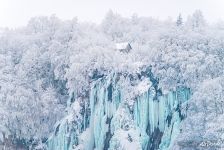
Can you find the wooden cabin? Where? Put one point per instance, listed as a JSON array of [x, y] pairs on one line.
[[123, 47]]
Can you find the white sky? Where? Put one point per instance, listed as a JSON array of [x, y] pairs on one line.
[[15, 13]]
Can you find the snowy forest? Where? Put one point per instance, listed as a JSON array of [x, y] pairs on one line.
[[64, 85]]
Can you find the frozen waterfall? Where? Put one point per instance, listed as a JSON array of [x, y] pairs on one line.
[[109, 122]]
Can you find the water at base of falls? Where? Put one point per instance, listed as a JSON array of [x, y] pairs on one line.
[[151, 122]]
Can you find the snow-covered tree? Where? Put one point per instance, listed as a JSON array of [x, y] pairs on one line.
[[196, 22], [179, 21]]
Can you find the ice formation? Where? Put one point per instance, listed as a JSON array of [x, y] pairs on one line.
[[109, 122]]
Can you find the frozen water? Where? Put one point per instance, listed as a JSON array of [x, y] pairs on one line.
[[114, 124]]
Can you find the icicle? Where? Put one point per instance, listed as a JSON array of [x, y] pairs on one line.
[[109, 114]]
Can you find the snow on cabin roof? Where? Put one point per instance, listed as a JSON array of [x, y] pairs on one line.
[[123, 45]]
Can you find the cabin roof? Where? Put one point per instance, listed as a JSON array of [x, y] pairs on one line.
[[123, 45]]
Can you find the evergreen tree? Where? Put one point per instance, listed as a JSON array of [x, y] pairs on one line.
[[179, 21]]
